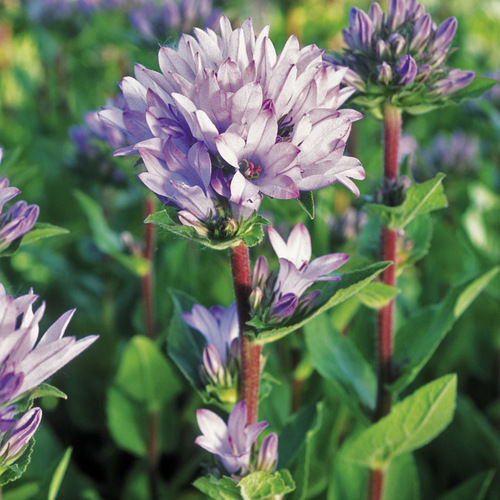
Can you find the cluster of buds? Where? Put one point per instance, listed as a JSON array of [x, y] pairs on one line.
[[400, 54], [219, 369], [275, 298], [233, 443]]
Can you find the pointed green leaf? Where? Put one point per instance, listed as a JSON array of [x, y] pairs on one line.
[[377, 295], [332, 294], [218, 489], [338, 360], [58, 476], [432, 324], [420, 199], [47, 390], [412, 423], [419, 235], [474, 488], [264, 485], [42, 230], [306, 201]]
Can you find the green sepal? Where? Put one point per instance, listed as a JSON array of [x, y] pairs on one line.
[[17, 469], [331, 294], [249, 232], [306, 201], [411, 424], [262, 485], [419, 199], [44, 390]]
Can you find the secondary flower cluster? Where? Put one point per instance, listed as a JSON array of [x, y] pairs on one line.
[[228, 121], [19, 218], [232, 443], [400, 49], [158, 21], [26, 362], [220, 328], [274, 298]]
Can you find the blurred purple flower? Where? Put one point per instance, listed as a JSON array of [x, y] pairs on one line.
[[402, 48], [19, 218], [218, 325], [268, 453], [24, 362], [231, 443]]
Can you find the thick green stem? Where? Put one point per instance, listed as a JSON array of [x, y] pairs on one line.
[[250, 353]]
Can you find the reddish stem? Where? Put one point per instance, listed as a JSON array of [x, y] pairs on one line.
[[250, 353], [376, 484], [147, 280]]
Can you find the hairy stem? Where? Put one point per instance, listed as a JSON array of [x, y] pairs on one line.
[[385, 323], [250, 353]]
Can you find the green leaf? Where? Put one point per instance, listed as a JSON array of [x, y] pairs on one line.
[[134, 263], [218, 489], [249, 232], [412, 351], [127, 422], [58, 476], [184, 346], [401, 479], [419, 233], [419, 109], [476, 88], [264, 485], [412, 423], [22, 492], [377, 295], [44, 390], [145, 374], [474, 488], [42, 230], [332, 294], [337, 359], [16, 470], [420, 199], [306, 201]]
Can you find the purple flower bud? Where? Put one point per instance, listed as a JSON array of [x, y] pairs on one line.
[[397, 43], [19, 436], [381, 48], [285, 307], [309, 300], [384, 73], [423, 72], [376, 15], [444, 34], [256, 296], [212, 364], [361, 27], [395, 14], [414, 10], [421, 32], [457, 79], [407, 70], [268, 453], [260, 272]]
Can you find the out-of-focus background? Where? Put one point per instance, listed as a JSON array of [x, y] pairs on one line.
[[62, 58]]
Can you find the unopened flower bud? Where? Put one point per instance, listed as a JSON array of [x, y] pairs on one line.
[[309, 300], [230, 226], [260, 272], [212, 364], [397, 44], [423, 72], [381, 49], [186, 218], [414, 10], [444, 34], [361, 27], [255, 299], [376, 15], [384, 73], [395, 13], [285, 307], [268, 453], [421, 32], [407, 70]]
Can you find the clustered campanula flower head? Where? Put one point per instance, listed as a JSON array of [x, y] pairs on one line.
[[275, 298], [18, 219], [232, 443], [25, 363], [401, 54], [228, 121]]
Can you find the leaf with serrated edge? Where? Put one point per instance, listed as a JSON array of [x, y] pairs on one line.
[[16, 470], [420, 199], [432, 325], [218, 489], [412, 423], [263, 485], [332, 294]]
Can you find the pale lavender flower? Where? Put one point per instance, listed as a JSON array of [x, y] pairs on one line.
[[19, 218], [270, 122], [400, 49], [268, 453], [218, 325], [25, 361], [231, 443], [16, 439]]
